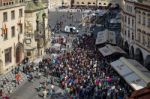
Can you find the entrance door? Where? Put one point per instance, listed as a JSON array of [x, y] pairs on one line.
[[19, 54]]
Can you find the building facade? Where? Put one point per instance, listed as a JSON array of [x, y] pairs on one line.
[[12, 34], [135, 30], [36, 29], [94, 3], [128, 25], [82, 3]]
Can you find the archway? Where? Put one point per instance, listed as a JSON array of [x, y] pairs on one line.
[[147, 62], [132, 52], [126, 47], [139, 56], [19, 53]]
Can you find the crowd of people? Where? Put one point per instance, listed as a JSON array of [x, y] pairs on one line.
[[84, 73]]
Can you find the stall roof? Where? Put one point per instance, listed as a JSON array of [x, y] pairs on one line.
[[106, 36], [109, 50], [136, 75]]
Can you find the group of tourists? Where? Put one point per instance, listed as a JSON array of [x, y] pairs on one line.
[[84, 73]]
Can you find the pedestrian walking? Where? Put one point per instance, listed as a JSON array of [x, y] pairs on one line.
[[45, 94]]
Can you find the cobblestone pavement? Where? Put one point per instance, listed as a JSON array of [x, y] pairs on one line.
[[7, 82]]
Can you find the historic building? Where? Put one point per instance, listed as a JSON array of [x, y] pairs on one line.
[[93, 3], [128, 25], [11, 34], [82, 3], [36, 29], [135, 30]]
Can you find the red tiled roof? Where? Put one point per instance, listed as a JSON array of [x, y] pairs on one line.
[[141, 94]]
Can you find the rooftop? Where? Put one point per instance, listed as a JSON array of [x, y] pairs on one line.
[[32, 6]]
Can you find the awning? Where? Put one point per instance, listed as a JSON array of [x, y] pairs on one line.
[[136, 75], [101, 37], [109, 50], [106, 36]]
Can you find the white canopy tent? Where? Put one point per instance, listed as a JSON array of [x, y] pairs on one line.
[[136, 75], [109, 50], [106, 36]]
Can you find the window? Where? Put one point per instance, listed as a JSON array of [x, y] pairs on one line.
[[89, 2], [12, 31], [20, 13], [129, 20], [20, 28], [8, 55], [143, 40], [93, 2], [132, 22], [20, 1], [125, 19], [104, 3], [139, 19], [99, 3], [148, 22], [5, 16], [5, 34], [125, 32], [12, 14], [129, 33], [28, 53], [4, 4], [139, 37], [82, 2], [132, 36], [144, 20], [77, 2]]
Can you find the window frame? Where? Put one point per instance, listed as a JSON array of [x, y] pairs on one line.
[[13, 32], [8, 55], [5, 16], [13, 14]]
